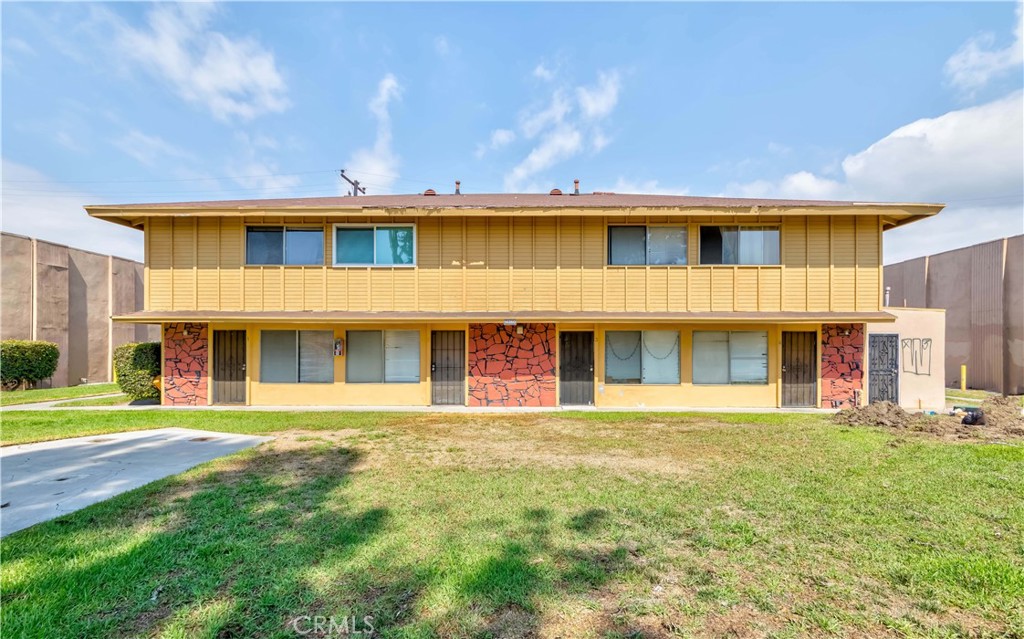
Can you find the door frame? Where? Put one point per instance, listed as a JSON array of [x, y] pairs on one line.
[[465, 363], [212, 399], [867, 368], [815, 366], [593, 363]]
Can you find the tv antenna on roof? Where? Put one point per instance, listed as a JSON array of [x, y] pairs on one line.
[[356, 189]]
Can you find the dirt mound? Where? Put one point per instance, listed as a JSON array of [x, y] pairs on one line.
[[1002, 416], [885, 414]]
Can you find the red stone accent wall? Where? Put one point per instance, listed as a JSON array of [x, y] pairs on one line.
[[842, 364], [509, 369], [185, 364]]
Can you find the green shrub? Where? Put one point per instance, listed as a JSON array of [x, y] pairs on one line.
[[24, 362], [136, 365]]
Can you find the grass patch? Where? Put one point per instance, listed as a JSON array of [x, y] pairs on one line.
[[590, 524], [13, 398]]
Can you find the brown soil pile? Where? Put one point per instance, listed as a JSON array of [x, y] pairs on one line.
[[1002, 416], [884, 414]]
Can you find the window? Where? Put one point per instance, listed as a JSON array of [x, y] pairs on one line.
[[383, 245], [628, 245], [730, 357], [297, 357], [739, 245], [641, 357], [376, 357], [284, 245]]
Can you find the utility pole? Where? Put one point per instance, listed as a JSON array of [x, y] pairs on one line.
[[356, 189]]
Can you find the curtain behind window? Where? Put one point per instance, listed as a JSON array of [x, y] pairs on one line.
[[353, 245], [394, 245], [264, 245], [710, 357], [660, 357], [316, 356], [365, 361], [277, 357], [622, 357], [748, 357], [401, 356], [304, 246], [666, 245]]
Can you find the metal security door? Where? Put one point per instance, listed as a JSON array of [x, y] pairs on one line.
[[448, 367], [576, 368], [883, 368], [799, 368], [229, 367]]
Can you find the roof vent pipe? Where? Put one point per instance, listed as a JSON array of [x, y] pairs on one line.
[[457, 185], [430, 192], [555, 192], [576, 191]]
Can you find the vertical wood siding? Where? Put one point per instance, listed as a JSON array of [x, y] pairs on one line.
[[479, 263]]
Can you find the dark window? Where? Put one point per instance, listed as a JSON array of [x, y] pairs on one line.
[[277, 245], [739, 245]]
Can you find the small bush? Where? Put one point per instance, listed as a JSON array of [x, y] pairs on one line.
[[136, 365], [24, 362]]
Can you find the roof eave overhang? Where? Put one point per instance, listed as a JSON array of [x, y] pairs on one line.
[[350, 317]]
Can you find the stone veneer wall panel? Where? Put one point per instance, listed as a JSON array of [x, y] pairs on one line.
[[509, 369], [842, 364], [185, 364]]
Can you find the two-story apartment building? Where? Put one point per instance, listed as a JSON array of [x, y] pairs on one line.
[[607, 299]]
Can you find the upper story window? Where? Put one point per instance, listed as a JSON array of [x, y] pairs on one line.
[[629, 245], [374, 245], [284, 245], [739, 245]]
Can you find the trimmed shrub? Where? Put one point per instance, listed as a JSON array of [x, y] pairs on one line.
[[25, 362], [136, 366]]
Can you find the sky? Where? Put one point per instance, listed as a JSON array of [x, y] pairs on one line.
[[127, 102]]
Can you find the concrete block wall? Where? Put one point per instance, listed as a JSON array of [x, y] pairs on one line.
[[65, 295]]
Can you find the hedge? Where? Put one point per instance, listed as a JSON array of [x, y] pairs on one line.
[[136, 365], [24, 362]]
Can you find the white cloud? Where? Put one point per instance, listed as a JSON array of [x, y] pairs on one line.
[[972, 159], [569, 122], [542, 72], [499, 138], [599, 101], [147, 149], [555, 146], [233, 78], [647, 187], [532, 123], [379, 162], [442, 47], [37, 206], [259, 173], [977, 62]]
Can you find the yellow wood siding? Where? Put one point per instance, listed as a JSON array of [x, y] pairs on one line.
[[481, 263]]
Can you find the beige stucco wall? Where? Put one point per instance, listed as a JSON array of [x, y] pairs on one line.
[[922, 333], [64, 295]]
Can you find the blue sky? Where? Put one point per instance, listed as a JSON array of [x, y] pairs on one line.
[[106, 103]]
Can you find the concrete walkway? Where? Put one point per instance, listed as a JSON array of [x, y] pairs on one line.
[[49, 479], [495, 410]]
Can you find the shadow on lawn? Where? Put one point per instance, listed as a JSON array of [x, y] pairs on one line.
[[208, 543], [267, 537]]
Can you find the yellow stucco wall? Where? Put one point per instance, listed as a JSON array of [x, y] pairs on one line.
[[517, 263], [684, 394], [922, 374]]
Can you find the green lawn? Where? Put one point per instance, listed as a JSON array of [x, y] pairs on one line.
[[971, 397], [13, 398], [571, 525]]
